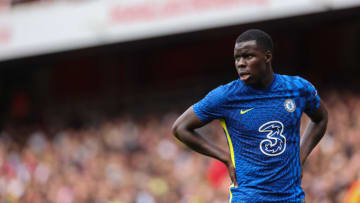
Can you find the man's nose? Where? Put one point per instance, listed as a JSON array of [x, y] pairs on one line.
[[241, 63]]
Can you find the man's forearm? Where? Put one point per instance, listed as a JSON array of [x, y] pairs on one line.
[[200, 144], [311, 137]]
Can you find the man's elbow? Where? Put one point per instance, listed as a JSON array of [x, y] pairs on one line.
[[176, 130]]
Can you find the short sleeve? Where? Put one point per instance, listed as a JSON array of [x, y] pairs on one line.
[[211, 106], [312, 99]]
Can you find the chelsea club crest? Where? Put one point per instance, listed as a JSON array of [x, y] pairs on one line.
[[289, 105]]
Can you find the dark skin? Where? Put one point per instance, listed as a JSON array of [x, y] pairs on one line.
[[253, 65]]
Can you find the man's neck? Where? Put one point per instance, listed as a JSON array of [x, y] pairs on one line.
[[266, 82]]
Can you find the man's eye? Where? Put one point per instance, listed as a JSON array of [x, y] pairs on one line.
[[249, 56], [237, 58]]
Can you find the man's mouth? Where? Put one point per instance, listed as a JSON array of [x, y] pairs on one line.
[[244, 76]]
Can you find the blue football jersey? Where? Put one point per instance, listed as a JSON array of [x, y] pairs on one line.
[[262, 127]]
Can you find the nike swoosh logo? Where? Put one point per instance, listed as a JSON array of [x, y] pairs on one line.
[[245, 111]]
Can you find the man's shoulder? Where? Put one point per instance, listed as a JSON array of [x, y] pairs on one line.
[[294, 81], [235, 84], [224, 92], [228, 87]]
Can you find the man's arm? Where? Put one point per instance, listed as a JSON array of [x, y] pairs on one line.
[[314, 131], [184, 130]]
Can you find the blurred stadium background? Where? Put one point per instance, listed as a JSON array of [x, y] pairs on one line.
[[90, 89]]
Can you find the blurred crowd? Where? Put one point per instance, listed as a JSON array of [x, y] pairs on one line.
[[137, 160], [334, 165], [122, 160]]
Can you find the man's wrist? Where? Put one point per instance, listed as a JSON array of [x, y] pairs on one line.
[[226, 160]]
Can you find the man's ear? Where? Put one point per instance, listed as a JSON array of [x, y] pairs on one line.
[[268, 56]]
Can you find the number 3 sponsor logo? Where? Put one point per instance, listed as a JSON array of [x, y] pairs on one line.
[[275, 142]]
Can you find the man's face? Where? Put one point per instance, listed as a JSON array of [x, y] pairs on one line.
[[250, 62]]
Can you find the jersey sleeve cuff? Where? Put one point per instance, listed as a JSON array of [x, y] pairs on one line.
[[200, 114]]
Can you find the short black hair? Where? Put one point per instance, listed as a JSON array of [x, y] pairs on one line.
[[262, 38]]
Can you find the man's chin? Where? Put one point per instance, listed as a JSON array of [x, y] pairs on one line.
[[246, 81]]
